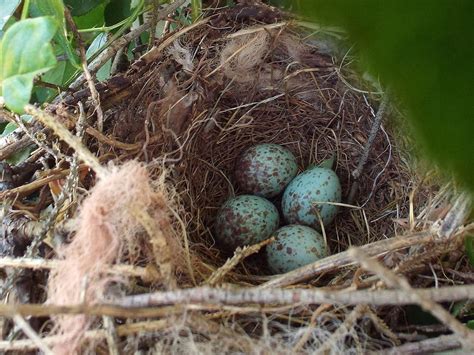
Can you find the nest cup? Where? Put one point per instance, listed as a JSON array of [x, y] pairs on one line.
[[247, 75], [230, 83]]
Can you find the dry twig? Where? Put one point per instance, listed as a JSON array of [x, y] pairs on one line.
[[427, 303]]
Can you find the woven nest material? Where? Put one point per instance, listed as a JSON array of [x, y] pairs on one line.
[[190, 106], [232, 83]]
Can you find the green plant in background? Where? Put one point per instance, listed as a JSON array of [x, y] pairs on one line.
[[423, 50], [25, 52]]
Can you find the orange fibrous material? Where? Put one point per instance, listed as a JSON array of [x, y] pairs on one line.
[[104, 227]]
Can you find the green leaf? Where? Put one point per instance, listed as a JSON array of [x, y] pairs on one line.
[[55, 8], [21, 155], [7, 8], [82, 7], [25, 52], [116, 11], [328, 163], [9, 128], [104, 72], [421, 50], [469, 245], [470, 324]]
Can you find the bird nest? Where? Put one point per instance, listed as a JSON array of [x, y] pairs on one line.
[[186, 110]]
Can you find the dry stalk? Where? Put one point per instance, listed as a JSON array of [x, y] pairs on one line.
[[343, 329], [121, 330], [90, 81], [428, 346], [255, 295], [45, 264], [64, 134], [239, 255], [30, 333], [427, 303], [365, 154], [120, 43], [340, 260]]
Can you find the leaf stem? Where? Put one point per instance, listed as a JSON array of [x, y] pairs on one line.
[[26, 7]]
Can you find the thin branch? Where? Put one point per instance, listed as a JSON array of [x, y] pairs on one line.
[[428, 346], [14, 147], [44, 264], [73, 141], [427, 303], [120, 43], [146, 305], [87, 74], [255, 295], [30, 333], [239, 255], [122, 330], [368, 146], [340, 260]]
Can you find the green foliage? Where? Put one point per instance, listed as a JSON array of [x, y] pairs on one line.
[[469, 245], [116, 11], [82, 7], [196, 9], [470, 324], [25, 52], [7, 8], [421, 49], [55, 8]]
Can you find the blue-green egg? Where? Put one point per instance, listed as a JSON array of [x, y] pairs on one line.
[[295, 246], [307, 194], [265, 170], [245, 220]]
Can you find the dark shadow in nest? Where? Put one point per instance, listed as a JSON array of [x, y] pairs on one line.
[[225, 86]]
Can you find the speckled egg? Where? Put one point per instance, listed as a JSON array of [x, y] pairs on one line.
[[245, 220], [308, 191], [295, 246], [265, 169]]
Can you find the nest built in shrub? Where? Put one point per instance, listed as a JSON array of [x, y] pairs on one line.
[[186, 110]]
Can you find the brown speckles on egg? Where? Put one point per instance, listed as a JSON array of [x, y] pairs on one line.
[[265, 169], [245, 220], [307, 193], [295, 246]]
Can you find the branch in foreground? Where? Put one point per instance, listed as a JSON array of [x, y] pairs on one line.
[[220, 296], [428, 346], [427, 303], [145, 305]]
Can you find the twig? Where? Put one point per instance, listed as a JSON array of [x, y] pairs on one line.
[[14, 147], [120, 43], [427, 303], [365, 154], [446, 226], [44, 264], [343, 329], [221, 296], [90, 81], [428, 346], [122, 330], [239, 255], [111, 335], [73, 141], [144, 306], [342, 259], [30, 333]]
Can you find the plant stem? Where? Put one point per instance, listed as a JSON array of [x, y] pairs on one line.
[[26, 7]]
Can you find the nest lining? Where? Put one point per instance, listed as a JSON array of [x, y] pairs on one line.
[[219, 90]]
